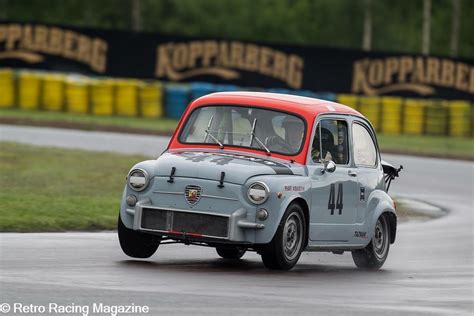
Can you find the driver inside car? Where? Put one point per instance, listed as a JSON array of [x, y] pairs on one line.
[[327, 142], [293, 136]]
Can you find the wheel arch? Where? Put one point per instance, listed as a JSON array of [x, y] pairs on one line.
[[381, 204], [304, 205]]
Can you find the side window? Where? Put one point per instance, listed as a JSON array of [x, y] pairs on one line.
[[365, 153], [330, 142]]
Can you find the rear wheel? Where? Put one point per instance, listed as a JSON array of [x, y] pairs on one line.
[[231, 253], [283, 252], [136, 244], [374, 255]]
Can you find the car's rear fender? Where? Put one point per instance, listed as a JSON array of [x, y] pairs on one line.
[[379, 203]]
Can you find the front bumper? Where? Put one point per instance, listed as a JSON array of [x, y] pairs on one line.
[[195, 224]]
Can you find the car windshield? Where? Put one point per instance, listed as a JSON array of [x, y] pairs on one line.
[[243, 126]]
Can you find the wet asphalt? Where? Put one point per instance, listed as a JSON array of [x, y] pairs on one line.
[[430, 268]]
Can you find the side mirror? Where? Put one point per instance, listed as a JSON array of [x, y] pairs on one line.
[[329, 166]]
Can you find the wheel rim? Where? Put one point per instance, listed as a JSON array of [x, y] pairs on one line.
[[292, 236], [380, 240]]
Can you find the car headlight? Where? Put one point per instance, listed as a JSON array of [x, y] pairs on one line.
[[258, 192], [138, 179]]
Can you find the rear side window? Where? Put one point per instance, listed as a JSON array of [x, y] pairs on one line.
[[365, 153]]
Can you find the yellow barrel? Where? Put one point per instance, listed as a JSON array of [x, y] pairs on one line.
[[351, 100], [151, 100], [414, 116], [102, 98], [370, 108], [437, 118], [459, 118], [391, 115], [7, 88], [77, 94], [126, 92], [52, 97], [28, 90]]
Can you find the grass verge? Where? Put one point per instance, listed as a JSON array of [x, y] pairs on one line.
[[48, 189], [431, 146], [159, 126]]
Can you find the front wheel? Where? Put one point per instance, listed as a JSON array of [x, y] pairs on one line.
[[136, 244], [374, 255], [231, 253], [283, 252]]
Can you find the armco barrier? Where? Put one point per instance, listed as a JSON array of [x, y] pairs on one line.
[[102, 97], [460, 117], [7, 85], [391, 115], [413, 117], [349, 100], [126, 101], [370, 107], [199, 89], [28, 90], [77, 94], [177, 98], [436, 118], [52, 96], [152, 99]]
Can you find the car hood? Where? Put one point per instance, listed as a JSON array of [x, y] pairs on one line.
[[238, 167]]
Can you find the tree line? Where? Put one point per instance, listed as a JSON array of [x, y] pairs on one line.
[[438, 27]]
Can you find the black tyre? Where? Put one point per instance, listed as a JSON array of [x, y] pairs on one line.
[[136, 244], [231, 253], [283, 252], [374, 255]]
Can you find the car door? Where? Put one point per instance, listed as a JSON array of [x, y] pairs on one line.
[[369, 170], [334, 195]]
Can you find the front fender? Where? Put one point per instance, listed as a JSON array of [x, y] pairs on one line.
[[127, 213], [380, 202], [289, 188]]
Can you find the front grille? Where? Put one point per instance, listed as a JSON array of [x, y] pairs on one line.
[[185, 222]]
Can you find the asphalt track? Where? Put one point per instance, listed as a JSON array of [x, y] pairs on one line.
[[430, 268]]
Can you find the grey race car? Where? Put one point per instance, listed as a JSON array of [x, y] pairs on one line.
[[271, 173]]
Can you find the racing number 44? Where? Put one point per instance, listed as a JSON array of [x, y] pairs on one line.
[[335, 202]]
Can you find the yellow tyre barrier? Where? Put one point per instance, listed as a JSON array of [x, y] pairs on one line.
[[350, 100], [459, 118], [126, 98], [102, 97], [28, 90], [7, 88], [370, 108], [52, 96], [392, 115], [436, 118], [77, 95], [414, 117], [151, 100]]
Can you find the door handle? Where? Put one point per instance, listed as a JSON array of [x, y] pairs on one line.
[[352, 173]]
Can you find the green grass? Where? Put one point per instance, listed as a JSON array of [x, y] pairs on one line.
[[162, 125], [437, 146], [48, 189]]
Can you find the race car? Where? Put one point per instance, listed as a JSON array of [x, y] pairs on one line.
[[272, 173]]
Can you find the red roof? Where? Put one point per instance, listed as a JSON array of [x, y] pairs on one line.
[[291, 103], [309, 108]]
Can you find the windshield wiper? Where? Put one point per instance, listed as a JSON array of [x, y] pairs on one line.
[[208, 134], [254, 137]]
